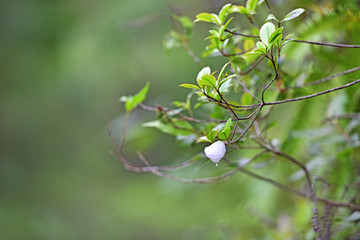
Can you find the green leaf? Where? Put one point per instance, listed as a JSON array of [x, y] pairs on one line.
[[271, 17], [222, 70], [258, 51], [224, 12], [227, 128], [260, 2], [175, 129], [241, 10], [251, 5], [200, 94], [260, 45], [212, 135], [224, 133], [190, 86], [207, 80], [265, 32], [238, 60], [132, 102], [208, 17], [275, 36], [185, 22], [286, 40], [223, 136], [224, 80], [203, 139], [222, 29], [204, 71], [293, 14]]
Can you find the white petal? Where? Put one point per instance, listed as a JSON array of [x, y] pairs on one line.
[[215, 151]]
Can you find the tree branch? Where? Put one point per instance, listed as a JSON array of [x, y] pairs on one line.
[[312, 95], [326, 44]]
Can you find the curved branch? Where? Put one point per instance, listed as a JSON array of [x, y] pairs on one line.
[[312, 95], [326, 44], [327, 78]]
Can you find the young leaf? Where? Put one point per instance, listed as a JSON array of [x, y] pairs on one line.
[[222, 135], [227, 128], [203, 139], [207, 17], [258, 52], [222, 28], [212, 135], [185, 22], [251, 5], [265, 32], [223, 81], [222, 70], [293, 14], [241, 10], [260, 45], [204, 71], [224, 12], [275, 35], [177, 128], [190, 86], [271, 17], [207, 80], [132, 102]]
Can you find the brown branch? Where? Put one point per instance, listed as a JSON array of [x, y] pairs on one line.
[[298, 192], [325, 44], [258, 110], [241, 34], [327, 78], [315, 217], [157, 170], [311, 95], [268, 6], [243, 85], [235, 54]]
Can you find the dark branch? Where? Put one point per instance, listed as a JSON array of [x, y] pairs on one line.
[[326, 44], [312, 95]]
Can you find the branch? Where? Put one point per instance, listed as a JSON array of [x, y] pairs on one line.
[[315, 217], [312, 95], [243, 85], [327, 78], [298, 192], [161, 171], [326, 44], [241, 34]]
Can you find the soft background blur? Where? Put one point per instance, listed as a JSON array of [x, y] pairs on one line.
[[63, 66]]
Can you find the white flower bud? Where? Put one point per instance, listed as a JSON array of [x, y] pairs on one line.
[[215, 151]]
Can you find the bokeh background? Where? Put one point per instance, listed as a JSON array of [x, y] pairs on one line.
[[63, 66]]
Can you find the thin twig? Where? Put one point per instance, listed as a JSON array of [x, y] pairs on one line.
[[241, 34], [258, 110], [243, 85], [311, 95], [315, 217], [268, 6], [298, 192], [326, 44], [327, 78]]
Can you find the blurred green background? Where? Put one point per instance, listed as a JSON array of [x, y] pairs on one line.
[[63, 66]]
